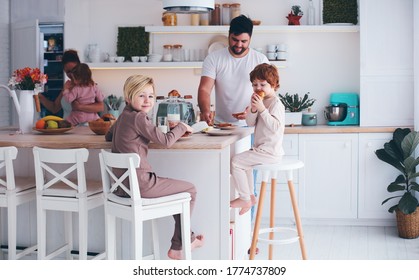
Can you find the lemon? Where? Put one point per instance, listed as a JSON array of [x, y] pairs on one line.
[[52, 124]]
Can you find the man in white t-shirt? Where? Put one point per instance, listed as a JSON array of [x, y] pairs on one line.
[[228, 71]]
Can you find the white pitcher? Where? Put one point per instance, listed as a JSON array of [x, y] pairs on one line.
[[94, 53], [24, 108]]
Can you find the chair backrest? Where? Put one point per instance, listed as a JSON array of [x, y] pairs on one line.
[[7, 155], [125, 164], [54, 168]]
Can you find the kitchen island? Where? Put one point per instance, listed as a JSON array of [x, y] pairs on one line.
[[203, 160]]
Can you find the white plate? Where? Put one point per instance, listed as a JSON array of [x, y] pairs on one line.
[[218, 42], [217, 132], [216, 46]]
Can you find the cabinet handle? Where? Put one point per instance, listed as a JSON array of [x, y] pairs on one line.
[[369, 144]]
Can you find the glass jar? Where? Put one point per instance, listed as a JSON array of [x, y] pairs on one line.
[[177, 53], [216, 15], [194, 19], [235, 10], [173, 112], [169, 19], [226, 15], [167, 53], [204, 19]]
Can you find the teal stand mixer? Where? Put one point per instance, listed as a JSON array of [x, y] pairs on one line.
[[343, 109]]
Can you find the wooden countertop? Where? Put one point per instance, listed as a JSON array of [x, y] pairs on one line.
[[84, 137]]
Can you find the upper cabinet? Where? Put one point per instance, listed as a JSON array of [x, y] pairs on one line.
[[386, 82], [42, 10]]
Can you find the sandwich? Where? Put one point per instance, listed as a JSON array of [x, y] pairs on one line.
[[261, 93]]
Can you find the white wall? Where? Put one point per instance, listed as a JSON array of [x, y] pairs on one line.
[[320, 63]]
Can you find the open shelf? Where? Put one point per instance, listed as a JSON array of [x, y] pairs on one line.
[[158, 65], [257, 29]]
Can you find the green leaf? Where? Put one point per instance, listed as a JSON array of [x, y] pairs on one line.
[[408, 203], [392, 208], [386, 157], [409, 143], [414, 186], [384, 201], [395, 188]]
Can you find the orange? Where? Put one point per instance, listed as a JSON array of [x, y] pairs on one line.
[[40, 124]]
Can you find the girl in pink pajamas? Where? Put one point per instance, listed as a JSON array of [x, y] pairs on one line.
[[132, 132], [267, 115]]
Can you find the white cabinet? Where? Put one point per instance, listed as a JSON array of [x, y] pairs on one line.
[[386, 82], [374, 177], [328, 181], [43, 10]]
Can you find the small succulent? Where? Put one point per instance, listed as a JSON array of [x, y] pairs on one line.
[[295, 103], [296, 10]]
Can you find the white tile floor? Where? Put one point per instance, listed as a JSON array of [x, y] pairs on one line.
[[347, 243]]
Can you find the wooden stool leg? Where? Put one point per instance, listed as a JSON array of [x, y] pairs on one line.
[[272, 217], [257, 221], [297, 219]]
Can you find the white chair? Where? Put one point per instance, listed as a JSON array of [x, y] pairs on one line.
[[270, 171], [136, 209], [56, 190], [14, 191]]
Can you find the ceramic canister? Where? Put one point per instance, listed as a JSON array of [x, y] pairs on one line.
[[309, 119]]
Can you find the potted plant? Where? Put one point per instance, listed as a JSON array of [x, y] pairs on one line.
[[294, 106], [295, 15], [113, 103], [400, 153]]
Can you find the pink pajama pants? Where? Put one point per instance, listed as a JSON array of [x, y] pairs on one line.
[[242, 170]]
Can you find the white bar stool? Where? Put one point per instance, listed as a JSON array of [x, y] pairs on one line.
[[270, 171]]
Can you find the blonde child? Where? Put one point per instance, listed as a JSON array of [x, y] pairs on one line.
[[132, 132], [267, 114]]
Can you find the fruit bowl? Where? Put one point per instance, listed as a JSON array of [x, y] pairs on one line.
[[53, 130], [100, 127]]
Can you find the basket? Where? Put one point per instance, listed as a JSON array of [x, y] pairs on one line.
[[100, 127], [408, 224]]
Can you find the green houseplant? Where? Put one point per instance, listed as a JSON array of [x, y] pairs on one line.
[[294, 105], [400, 153], [132, 41]]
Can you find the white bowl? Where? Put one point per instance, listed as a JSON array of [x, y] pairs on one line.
[[154, 57], [135, 58], [143, 58], [120, 59]]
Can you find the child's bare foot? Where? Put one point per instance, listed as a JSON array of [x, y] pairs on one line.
[[178, 254], [245, 205], [175, 254], [198, 242]]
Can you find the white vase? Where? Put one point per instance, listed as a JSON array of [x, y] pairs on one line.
[[293, 118], [27, 110]]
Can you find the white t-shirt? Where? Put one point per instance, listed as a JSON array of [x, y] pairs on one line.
[[233, 88]]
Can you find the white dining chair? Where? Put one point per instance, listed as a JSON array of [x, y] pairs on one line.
[[61, 185], [14, 191], [135, 209]]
